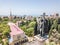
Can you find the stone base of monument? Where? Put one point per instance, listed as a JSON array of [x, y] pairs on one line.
[[41, 38]]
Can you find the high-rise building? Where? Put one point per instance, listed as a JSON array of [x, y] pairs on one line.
[[10, 16]]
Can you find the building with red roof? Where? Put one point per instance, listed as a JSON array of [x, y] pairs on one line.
[[17, 36]]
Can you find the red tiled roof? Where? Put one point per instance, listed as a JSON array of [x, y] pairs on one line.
[[14, 29]]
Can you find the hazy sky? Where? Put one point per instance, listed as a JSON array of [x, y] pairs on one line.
[[29, 7]]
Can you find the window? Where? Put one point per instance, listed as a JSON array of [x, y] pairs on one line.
[[25, 37], [18, 37], [16, 43]]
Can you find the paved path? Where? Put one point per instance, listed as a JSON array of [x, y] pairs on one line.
[[35, 42]]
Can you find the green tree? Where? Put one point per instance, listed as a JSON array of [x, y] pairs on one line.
[[23, 28], [34, 19], [59, 28], [30, 31], [32, 24], [0, 40], [4, 29], [54, 26], [0, 19], [5, 19]]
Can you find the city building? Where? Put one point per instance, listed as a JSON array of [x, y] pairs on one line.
[[18, 23], [29, 18], [54, 16], [17, 36], [10, 16]]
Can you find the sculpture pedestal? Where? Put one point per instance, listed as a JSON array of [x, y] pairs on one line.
[[38, 37]]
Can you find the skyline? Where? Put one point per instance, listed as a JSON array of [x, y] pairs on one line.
[[29, 7]]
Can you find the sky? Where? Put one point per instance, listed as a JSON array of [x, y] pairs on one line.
[[29, 7]]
